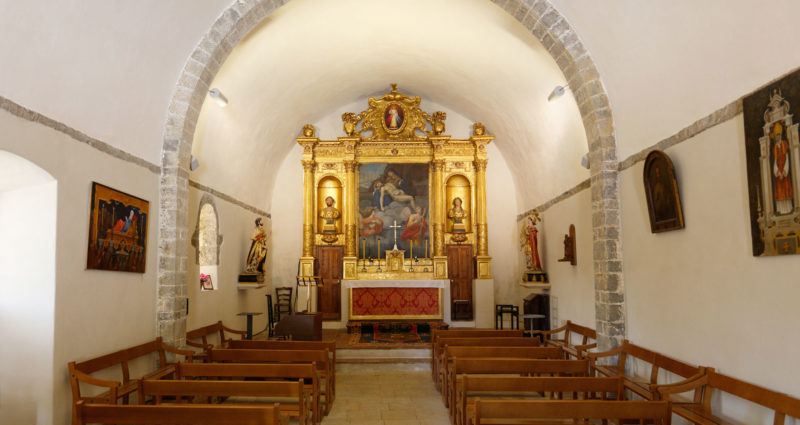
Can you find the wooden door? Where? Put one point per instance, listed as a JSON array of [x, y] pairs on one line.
[[460, 272], [329, 296]]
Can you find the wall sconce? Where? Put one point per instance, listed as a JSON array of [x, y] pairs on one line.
[[194, 164], [218, 97], [557, 92], [585, 161]]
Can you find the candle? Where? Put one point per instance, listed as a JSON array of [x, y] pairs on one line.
[[363, 248], [379, 249], [426, 250], [411, 256]]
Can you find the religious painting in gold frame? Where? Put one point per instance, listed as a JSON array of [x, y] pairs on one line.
[[117, 231], [661, 190], [394, 118], [390, 193]]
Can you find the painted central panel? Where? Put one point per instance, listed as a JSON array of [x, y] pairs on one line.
[[392, 194]]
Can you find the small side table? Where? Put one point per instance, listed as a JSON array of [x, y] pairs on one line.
[[501, 309], [531, 318], [249, 323]]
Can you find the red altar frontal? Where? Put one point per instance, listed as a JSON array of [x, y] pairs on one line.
[[399, 300]]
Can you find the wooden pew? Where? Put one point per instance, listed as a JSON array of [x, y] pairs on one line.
[[438, 349], [643, 387], [466, 333], [325, 367], [699, 409], [576, 350], [204, 332], [492, 387], [265, 392], [306, 371], [292, 345], [577, 411], [506, 366], [176, 415], [465, 352], [80, 372]]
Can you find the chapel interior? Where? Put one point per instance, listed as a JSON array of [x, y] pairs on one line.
[[453, 158]]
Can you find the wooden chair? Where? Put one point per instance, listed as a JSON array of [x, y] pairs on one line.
[[233, 392], [176, 415], [283, 301], [578, 412], [699, 410], [498, 387], [305, 371]]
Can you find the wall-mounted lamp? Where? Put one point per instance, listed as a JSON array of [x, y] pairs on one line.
[[218, 97], [556, 93], [194, 164], [585, 161]]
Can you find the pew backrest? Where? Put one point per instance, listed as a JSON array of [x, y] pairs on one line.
[[176, 415], [490, 411]]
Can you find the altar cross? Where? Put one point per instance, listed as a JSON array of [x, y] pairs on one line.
[[395, 227]]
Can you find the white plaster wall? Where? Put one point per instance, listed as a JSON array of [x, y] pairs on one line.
[[666, 64], [572, 287], [27, 282], [107, 68], [207, 307], [96, 312], [698, 294]]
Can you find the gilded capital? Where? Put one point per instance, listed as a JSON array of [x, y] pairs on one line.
[[308, 165], [480, 164], [350, 166], [438, 164]]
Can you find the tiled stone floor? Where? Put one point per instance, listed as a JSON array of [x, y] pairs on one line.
[[386, 394]]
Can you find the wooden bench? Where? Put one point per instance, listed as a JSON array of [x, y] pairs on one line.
[[325, 367], [493, 387], [643, 387], [465, 333], [576, 411], [465, 352], [438, 349], [292, 345], [80, 372], [307, 372], [699, 409], [203, 334], [176, 415], [298, 405], [572, 349], [506, 366]]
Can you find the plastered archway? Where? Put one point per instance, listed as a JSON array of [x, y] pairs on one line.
[[538, 16]]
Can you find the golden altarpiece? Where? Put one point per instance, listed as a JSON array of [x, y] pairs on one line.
[[395, 199]]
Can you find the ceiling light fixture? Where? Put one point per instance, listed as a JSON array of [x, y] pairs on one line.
[[556, 93], [218, 97]]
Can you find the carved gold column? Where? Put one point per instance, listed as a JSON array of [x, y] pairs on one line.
[[439, 254], [351, 200], [308, 218], [483, 261]]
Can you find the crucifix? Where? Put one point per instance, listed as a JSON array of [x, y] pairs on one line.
[[395, 227]]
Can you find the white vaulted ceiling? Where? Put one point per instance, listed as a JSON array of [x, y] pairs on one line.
[[310, 61]]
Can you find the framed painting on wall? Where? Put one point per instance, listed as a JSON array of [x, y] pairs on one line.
[[772, 151], [117, 231], [661, 190]]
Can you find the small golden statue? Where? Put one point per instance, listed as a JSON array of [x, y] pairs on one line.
[[329, 214], [308, 130], [478, 129], [459, 217]]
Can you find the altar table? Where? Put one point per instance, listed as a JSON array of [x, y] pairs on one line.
[[396, 299]]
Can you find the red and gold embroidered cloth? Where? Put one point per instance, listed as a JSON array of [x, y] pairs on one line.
[[396, 302]]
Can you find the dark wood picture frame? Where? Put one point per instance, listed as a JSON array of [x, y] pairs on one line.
[[117, 231], [661, 190]]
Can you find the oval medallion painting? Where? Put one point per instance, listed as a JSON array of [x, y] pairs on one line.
[[393, 118]]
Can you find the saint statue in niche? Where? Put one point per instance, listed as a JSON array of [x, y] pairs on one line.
[[393, 117], [329, 214], [458, 215], [530, 242], [258, 249]]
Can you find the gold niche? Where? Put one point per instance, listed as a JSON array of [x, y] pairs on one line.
[[394, 131]]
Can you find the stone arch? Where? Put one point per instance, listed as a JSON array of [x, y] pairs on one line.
[[538, 16]]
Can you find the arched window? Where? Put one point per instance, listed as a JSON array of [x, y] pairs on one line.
[[207, 240]]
